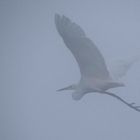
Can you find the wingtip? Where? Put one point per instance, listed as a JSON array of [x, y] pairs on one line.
[[56, 15], [57, 19]]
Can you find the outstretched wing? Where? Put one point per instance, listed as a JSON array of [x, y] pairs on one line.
[[120, 68], [89, 58]]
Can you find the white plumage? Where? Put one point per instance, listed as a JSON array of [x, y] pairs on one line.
[[95, 76]]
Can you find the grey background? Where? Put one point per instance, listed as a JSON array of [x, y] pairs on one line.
[[35, 63]]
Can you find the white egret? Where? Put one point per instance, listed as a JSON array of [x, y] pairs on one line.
[[95, 76]]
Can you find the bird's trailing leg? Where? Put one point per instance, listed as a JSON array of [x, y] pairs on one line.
[[131, 105]]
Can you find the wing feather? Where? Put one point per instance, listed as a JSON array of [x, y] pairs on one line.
[[121, 67], [89, 58]]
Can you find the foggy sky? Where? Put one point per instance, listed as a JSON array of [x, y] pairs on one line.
[[35, 63]]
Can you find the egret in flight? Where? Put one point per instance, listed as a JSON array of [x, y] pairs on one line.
[[95, 76]]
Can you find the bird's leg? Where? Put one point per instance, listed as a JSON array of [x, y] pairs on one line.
[[131, 105]]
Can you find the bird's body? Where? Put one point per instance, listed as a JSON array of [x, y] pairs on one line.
[[95, 76], [94, 85]]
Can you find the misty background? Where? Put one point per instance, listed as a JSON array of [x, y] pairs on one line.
[[35, 63]]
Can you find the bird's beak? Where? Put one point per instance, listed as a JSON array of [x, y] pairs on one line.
[[66, 88], [61, 89]]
